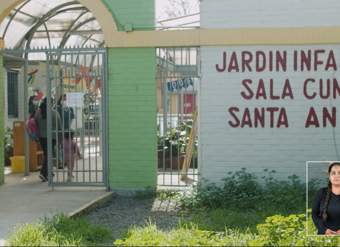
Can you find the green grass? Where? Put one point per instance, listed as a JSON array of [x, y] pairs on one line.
[[60, 231], [219, 219]]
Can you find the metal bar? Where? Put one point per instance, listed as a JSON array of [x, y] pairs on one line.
[[83, 124], [89, 31], [180, 17], [74, 76], [48, 35], [49, 121], [51, 13], [96, 125], [198, 90], [63, 72], [106, 117], [79, 184], [165, 123], [27, 148], [12, 17], [67, 34], [88, 129], [65, 49]]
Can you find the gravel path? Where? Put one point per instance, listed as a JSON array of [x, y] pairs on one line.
[[121, 213]]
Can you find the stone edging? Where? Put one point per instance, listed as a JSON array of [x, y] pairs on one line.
[[93, 204]]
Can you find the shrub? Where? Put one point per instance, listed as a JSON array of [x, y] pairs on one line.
[[8, 146], [277, 230], [244, 200], [244, 191], [61, 231], [182, 236], [29, 235], [289, 231]]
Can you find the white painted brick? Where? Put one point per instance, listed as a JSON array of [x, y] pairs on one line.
[[225, 149], [269, 13]]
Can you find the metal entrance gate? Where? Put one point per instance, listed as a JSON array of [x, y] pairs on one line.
[[177, 97], [76, 107], [76, 141]]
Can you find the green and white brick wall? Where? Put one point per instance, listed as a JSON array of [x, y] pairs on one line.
[[132, 134], [132, 103], [224, 148]]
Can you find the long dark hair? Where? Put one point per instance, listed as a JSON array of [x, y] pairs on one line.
[[328, 194]]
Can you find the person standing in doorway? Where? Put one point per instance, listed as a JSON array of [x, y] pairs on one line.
[[65, 112], [41, 122]]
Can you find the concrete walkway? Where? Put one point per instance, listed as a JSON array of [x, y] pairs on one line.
[[27, 199]]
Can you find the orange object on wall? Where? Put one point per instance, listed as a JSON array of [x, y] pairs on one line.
[[18, 138], [36, 153]]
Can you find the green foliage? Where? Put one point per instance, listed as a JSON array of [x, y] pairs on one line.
[[289, 231], [277, 230], [8, 146], [61, 231], [29, 235], [243, 200], [182, 236], [244, 191], [169, 195], [148, 192], [280, 230], [176, 139], [220, 218]]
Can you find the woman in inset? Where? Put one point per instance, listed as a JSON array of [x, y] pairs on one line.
[[326, 207]]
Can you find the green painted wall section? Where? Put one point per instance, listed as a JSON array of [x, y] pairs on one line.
[[139, 13], [2, 161], [132, 102], [132, 118]]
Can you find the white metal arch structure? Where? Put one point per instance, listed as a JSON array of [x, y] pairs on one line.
[[99, 11]]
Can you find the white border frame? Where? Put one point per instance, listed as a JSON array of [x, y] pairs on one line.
[[307, 164]]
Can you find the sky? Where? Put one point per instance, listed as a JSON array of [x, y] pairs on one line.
[[163, 5]]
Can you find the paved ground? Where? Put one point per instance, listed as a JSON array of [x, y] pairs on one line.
[[26, 199]]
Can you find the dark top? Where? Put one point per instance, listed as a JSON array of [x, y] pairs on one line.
[[333, 212], [67, 115]]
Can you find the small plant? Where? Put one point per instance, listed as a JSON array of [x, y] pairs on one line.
[[185, 235], [164, 195], [244, 191], [60, 231], [276, 230], [242, 200], [8, 146], [147, 193], [172, 146]]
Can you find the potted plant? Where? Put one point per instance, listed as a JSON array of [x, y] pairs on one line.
[[8, 146], [172, 146]]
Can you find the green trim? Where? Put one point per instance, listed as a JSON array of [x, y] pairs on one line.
[[132, 14]]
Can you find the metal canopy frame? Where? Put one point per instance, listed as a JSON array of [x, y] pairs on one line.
[[47, 22]]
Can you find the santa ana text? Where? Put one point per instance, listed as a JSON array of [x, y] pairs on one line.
[[259, 112]]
